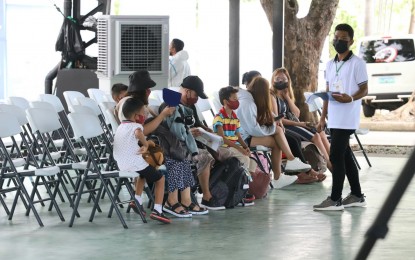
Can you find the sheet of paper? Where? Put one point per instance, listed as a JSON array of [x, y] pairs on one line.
[[214, 141]]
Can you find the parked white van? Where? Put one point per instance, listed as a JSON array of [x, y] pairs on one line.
[[391, 70]]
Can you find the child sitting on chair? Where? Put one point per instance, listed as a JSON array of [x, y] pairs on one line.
[[128, 154], [226, 124]]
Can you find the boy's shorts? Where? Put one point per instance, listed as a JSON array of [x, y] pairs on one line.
[[150, 174]]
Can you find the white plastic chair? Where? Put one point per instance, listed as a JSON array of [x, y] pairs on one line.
[[205, 111], [97, 94], [53, 100], [70, 98], [19, 101], [86, 128], [11, 129]]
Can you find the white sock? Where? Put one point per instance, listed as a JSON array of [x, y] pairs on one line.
[[139, 199], [158, 207]]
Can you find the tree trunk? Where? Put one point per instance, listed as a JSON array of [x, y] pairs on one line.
[[304, 41], [412, 21], [368, 17]]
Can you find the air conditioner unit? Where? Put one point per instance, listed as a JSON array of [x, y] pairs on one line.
[[130, 43]]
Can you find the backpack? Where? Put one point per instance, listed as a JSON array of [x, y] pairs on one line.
[[228, 182], [260, 180], [314, 157]]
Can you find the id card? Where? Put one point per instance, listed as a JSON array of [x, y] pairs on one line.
[[337, 86]]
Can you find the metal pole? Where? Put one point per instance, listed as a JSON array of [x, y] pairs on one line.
[[379, 229], [234, 6], [278, 34], [67, 8]]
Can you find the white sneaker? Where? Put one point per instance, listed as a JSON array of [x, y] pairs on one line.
[[297, 166], [283, 181]]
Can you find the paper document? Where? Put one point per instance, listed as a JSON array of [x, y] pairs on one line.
[[322, 95], [209, 139]]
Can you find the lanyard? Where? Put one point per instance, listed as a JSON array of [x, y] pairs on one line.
[[337, 70]]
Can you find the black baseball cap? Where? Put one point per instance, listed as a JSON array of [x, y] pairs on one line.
[[196, 84], [140, 80]]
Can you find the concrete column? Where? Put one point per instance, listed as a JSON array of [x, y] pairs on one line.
[[234, 6], [3, 53]]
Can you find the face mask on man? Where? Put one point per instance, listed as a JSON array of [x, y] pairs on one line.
[[190, 101], [281, 85], [340, 46]]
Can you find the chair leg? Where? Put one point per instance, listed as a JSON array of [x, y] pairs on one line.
[[4, 206], [363, 150], [78, 199], [30, 203], [132, 194], [53, 197], [116, 193], [117, 210], [96, 201]]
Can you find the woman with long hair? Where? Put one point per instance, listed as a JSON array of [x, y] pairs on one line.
[[285, 103], [259, 128]]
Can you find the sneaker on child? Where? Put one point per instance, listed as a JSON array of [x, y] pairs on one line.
[[297, 165], [329, 204], [354, 201], [159, 216], [138, 209], [283, 181], [212, 204]]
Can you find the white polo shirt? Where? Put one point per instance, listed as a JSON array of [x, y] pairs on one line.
[[345, 77], [126, 148]]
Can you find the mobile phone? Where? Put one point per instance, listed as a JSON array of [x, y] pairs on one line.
[[279, 116]]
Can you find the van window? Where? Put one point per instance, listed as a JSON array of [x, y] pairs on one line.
[[387, 50]]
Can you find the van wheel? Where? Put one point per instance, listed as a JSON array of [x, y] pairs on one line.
[[368, 110]]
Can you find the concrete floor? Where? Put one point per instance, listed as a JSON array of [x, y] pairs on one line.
[[282, 226]]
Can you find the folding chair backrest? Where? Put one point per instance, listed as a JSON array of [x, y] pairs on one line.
[[53, 100], [97, 94], [216, 102], [16, 111], [43, 120], [85, 125], [70, 98], [83, 109], [205, 111], [43, 105], [19, 101], [88, 102], [157, 95], [9, 126], [109, 115]]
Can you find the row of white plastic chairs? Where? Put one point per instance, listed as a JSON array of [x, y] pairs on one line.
[[84, 121]]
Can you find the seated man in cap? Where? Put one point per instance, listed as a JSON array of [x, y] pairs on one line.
[[191, 89]]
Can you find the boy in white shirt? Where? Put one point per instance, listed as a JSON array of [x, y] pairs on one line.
[[128, 154]]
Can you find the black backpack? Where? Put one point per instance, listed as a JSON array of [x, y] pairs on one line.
[[228, 182]]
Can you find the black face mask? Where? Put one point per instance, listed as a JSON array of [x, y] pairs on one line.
[[340, 46], [280, 85]]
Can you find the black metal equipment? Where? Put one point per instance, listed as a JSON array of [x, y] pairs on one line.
[[70, 42], [379, 228]]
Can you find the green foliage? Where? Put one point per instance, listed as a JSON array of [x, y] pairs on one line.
[[343, 16], [117, 7]]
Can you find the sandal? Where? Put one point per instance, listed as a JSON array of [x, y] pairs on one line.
[[319, 175], [192, 209], [172, 210], [304, 178]]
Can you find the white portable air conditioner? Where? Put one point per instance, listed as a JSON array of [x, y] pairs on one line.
[[130, 43]]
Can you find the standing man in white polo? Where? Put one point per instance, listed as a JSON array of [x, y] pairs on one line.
[[178, 66], [346, 76]]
